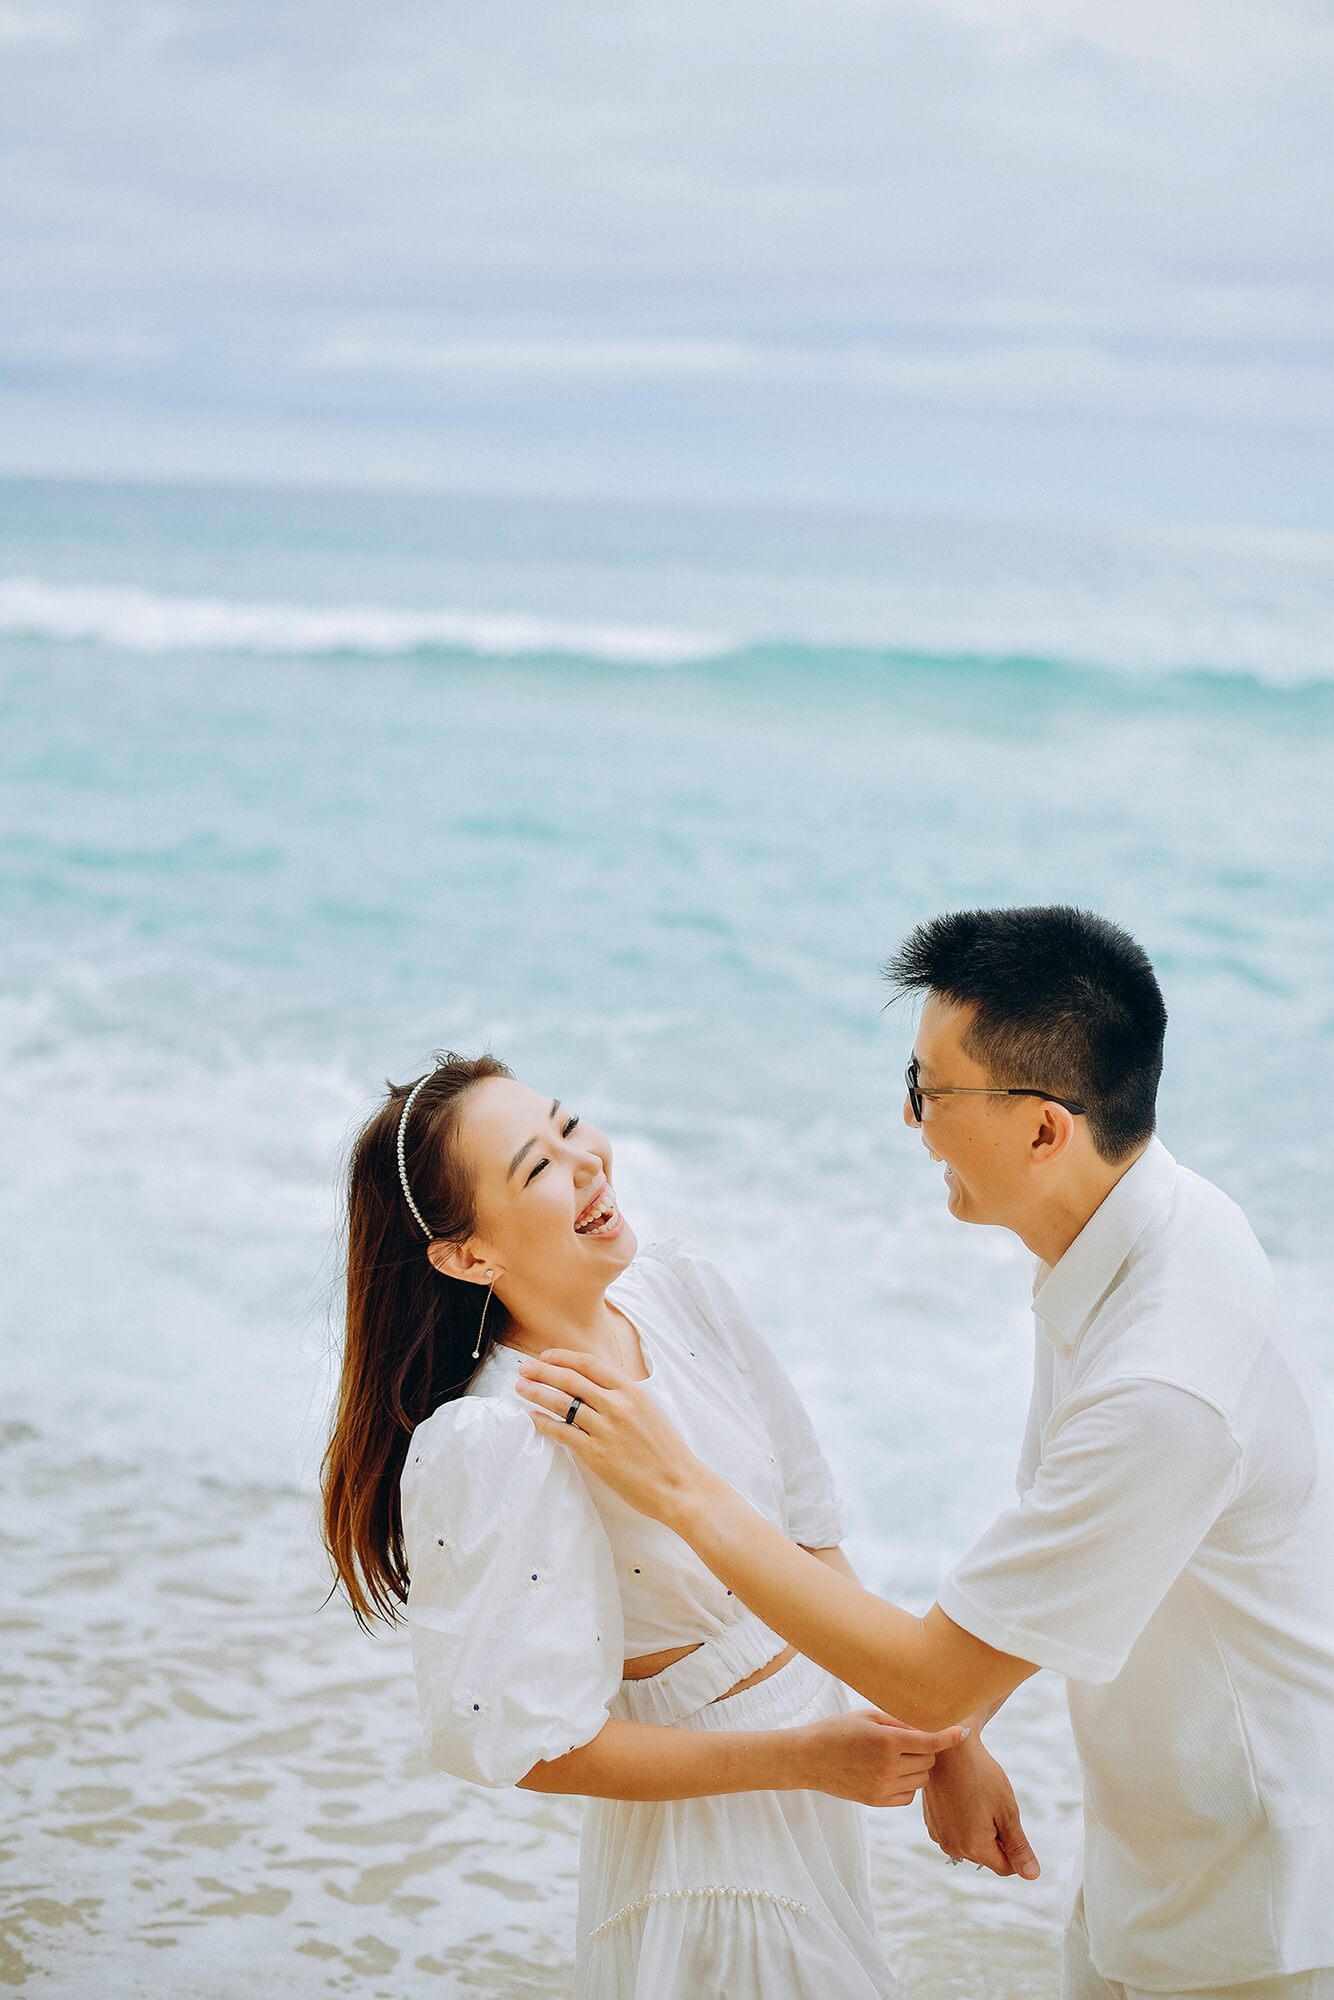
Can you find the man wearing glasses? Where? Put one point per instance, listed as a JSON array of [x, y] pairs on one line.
[[1172, 1552]]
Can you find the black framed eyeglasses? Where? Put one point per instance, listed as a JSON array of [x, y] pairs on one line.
[[917, 1096]]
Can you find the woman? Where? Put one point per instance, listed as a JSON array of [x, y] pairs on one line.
[[562, 1641]]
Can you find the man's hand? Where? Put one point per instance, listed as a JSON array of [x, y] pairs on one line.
[[969, 1807]]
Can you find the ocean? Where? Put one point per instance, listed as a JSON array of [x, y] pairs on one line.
[[301, 787]]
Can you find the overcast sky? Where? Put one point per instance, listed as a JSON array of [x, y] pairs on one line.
[[978, 255]]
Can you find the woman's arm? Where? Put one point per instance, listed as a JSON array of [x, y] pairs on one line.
[[858, 1756]]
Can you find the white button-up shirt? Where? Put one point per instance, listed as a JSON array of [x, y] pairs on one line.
[[1173, 1555]]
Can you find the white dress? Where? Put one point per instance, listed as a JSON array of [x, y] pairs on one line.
[[530, 1587]]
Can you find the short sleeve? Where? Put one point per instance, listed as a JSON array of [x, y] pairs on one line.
[[1130, 1481], [513, 1606], [815, 1515], [1030, 1452]]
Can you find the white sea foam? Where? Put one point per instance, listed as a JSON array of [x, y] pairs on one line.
[[144, 621], [1170, 626]]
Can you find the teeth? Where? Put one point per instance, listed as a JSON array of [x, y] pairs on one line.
[[597, 1214]]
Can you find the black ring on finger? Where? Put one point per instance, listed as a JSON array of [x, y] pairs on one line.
[[573, 1410]]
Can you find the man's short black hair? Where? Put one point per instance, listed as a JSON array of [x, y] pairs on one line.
[[1065, 1001]]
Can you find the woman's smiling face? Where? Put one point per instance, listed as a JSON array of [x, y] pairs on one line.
[[547, 1216]]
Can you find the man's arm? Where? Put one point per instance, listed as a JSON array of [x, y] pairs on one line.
[[968, 1802], [1132, 1477], [927, 1671]]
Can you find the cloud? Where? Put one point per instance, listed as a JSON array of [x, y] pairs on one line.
[[604, 218], [36, 27], [718, 360], [1063, 373]]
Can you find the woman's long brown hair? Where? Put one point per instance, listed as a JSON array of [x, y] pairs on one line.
[[410, 1330]]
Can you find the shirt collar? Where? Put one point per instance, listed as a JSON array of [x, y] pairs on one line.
[[1065, 1293]]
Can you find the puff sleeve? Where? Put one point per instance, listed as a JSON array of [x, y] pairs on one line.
[[815, 1515], [513, 1606]]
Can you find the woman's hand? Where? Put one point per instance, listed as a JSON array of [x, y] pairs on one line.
[[868, 1756], [619, 1431]]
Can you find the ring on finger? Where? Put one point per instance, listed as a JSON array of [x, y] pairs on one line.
[[574, 1409]]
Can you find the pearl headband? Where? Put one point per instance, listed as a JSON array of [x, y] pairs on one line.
[[402, 1162]]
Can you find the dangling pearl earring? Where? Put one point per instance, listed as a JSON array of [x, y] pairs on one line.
[[478, 1349]]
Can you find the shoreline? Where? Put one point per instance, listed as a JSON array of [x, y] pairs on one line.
[[220, 1784]]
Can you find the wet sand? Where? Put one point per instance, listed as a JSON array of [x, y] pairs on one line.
[[215, 1785]]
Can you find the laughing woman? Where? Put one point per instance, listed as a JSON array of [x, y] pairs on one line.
[[562, 1641]]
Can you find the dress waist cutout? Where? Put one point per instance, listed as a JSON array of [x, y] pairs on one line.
[[712, 1669]]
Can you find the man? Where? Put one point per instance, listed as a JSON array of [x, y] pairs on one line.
[[1172, 1553]]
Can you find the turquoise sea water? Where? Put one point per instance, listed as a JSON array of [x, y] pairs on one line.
[[299, 788]]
